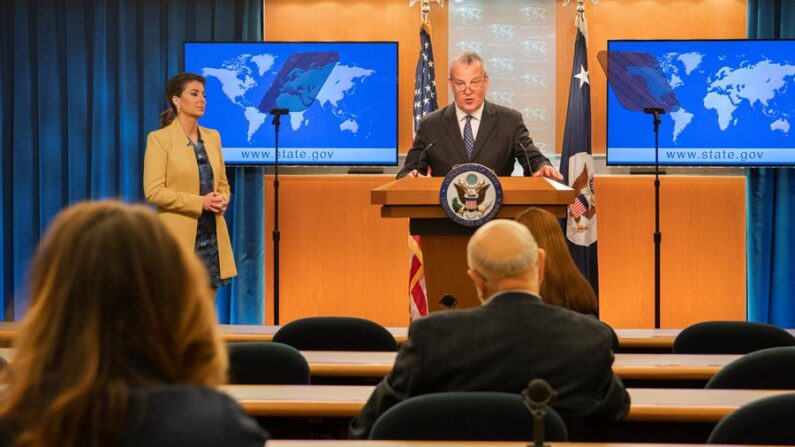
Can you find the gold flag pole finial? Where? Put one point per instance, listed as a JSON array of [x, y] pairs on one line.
[[425, 11], [579, 20]]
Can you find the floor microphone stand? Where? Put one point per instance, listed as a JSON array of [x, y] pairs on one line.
[[657, 235], [277, 114]]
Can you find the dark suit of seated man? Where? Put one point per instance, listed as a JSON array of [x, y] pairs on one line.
[[511, 339]]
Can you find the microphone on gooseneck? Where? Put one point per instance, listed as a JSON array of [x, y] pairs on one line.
[[526, 158], [536, 396], [449, 301], [424, 157]]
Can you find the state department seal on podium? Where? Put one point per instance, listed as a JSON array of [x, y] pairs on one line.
[[471, 194]]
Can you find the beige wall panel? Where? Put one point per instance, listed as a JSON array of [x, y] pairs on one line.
[[338, 256], [635, 19], [362, 20], [702, 221]]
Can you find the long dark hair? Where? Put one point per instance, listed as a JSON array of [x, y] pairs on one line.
[[563, 284], [174, 87], [116, 304]]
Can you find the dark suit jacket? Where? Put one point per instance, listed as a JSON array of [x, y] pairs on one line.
[[501, 346], [497, 144], [182, 415]]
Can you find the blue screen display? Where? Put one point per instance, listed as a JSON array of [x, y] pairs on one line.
[[726, 102], [342, 99]]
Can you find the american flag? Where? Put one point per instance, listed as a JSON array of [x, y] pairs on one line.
[[576, 162], [424, 79], [424, 103], [579, 207]]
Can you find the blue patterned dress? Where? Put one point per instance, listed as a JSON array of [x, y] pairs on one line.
[[206, 241]]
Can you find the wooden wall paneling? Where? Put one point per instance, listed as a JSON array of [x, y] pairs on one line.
[[702, 221], [338, 256], [363, 20], [635, 19]]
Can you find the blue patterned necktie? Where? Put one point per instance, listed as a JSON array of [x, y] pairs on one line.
[[469, 139]]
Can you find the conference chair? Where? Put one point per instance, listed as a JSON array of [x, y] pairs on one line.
[[464, 416], [766, 421], [730, 337], [335, 334], [768, 369], [257, 363]]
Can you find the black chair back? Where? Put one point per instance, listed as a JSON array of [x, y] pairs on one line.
[[335, 334], [730, 337], [766, 421], [264, 363], [464, 416], [768, 369]]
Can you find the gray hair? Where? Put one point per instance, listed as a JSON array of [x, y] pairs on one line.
[[502, 249], [467, 58]]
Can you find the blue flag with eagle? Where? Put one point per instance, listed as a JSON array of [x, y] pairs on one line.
[[576, 165]]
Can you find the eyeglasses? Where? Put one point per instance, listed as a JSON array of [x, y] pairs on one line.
[[474, 85]]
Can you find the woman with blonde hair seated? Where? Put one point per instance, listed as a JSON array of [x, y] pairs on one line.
[[119, 346], [563, 284]]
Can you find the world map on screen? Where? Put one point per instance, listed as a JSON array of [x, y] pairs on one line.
[[243, 76], [740, 92], [341, 98], [726, 102]]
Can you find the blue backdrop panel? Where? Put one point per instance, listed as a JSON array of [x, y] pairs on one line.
[[82, 85], [771, 192]]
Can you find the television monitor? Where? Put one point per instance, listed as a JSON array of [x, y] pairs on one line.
[[733, 103], [342, 98]]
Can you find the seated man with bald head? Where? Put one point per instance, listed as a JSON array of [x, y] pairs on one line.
[[512, 338]]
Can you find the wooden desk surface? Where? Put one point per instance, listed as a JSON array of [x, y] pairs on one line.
[[648, 404], [627, 338], [229, 332], [351, 443], [631, 338], [627, 366], [257, 332]]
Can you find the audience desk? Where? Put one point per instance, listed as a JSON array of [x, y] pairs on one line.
[[648, 404], [369, 443], [626, 366], [627, 338]]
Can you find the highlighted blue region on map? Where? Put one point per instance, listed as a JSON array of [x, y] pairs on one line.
[[299, 81], [639, 82]]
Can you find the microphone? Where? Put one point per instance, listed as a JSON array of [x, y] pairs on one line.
[[536, 395], [539, 393], [280, 111], [449, 301], [526, 158], [424, 156]]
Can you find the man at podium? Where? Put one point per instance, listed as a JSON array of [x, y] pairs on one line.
[[473, 130]]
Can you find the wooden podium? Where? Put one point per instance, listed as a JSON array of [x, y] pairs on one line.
[[443, 241]]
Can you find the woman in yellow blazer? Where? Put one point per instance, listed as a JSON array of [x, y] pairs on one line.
[[185, 177]]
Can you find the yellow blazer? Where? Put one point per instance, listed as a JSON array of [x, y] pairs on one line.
[[171, 182]]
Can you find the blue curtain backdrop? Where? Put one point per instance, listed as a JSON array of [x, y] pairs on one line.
[[82, 84], [771, 200]]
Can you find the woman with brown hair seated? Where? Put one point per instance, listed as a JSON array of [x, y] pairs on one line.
[[563, 284], [119, 346]]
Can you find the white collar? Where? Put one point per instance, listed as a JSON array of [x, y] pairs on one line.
[[460, 114]]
